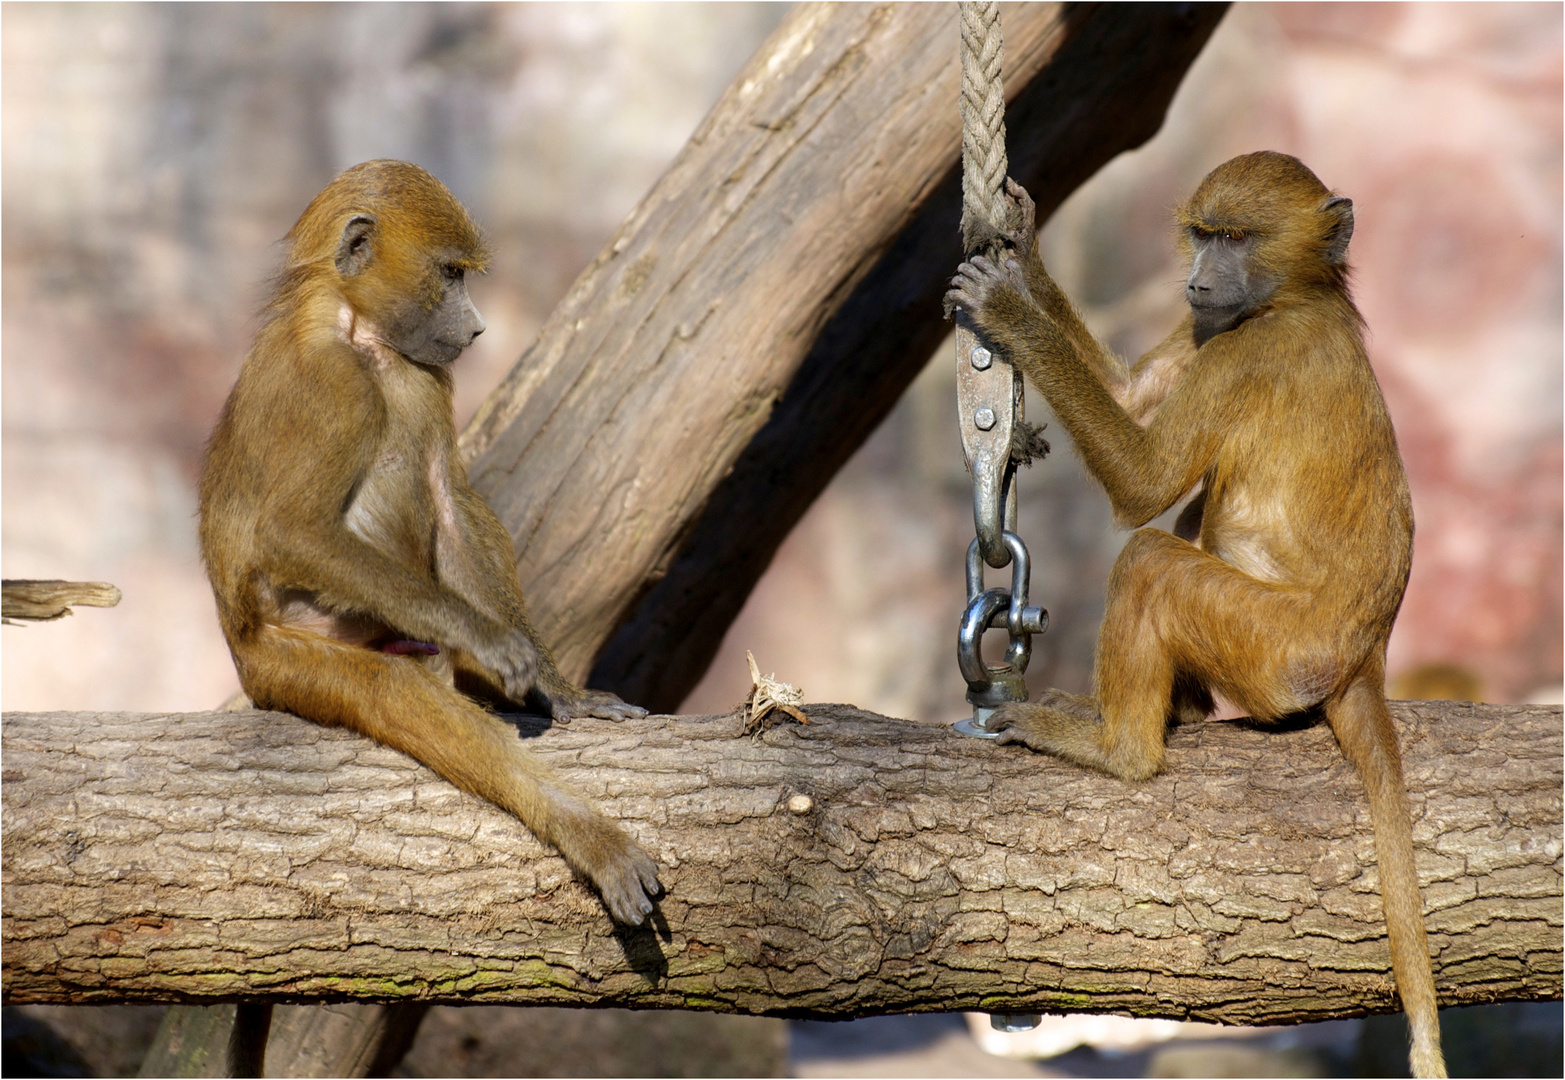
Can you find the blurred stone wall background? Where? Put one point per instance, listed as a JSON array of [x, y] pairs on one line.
[[151, 156]]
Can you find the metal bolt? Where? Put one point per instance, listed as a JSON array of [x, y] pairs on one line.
[[1013, 1022], [982, 358], [984, 418]]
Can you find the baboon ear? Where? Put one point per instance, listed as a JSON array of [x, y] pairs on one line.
[[354, 250], [1339, 211]]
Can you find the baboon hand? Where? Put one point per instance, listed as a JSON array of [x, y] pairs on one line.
[[1023, 233], [599, 703], [514, 661], [978, 280]]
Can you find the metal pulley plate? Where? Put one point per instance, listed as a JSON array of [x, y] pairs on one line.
[[989, 403]]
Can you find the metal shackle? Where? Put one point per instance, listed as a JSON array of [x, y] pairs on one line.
[[996, 609], [981, 612]]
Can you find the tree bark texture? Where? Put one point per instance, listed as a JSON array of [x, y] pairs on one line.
[[853, 866], [765, 305]]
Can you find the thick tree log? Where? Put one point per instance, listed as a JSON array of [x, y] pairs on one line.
[[763, 308], [853, 866]]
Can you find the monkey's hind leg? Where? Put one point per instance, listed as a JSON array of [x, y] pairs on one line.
[[396, 701], [1363, 728], [1179, 621], [1120, 729]]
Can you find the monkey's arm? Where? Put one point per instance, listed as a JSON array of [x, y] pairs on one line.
[[1055, 307], [1052, 303], [301, 550], [483, 567], [1143, 470], [1138, 389]]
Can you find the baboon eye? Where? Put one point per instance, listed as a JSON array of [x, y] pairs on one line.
[[451, 273]]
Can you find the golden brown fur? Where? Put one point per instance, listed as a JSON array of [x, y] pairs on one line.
[[1282, 594], [340, 534]]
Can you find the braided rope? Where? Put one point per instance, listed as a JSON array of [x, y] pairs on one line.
[[983, 122]]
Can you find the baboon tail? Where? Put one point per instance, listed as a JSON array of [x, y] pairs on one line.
[[1362, 724]]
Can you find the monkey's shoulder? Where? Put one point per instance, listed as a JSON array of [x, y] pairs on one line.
[[1287, 348], [306, 375]]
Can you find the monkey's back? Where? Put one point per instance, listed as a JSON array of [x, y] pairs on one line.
[[229, 494], [293, 424]]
